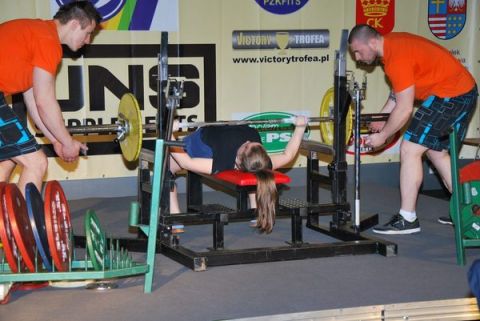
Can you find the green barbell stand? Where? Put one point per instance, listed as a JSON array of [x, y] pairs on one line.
[[461, 202]]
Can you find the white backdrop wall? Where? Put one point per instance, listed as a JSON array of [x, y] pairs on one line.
[[225, 82]]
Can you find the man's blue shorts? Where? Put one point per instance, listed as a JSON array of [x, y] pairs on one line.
[[15, 138], [434, 119]]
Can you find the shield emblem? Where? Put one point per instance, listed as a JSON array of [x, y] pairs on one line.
[[379, 14], [446, 18]]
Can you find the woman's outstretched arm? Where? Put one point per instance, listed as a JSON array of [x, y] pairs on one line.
[[291, 150], [197, 165]]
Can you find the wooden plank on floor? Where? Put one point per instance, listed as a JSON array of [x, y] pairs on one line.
[[451, 309], [368, 313]]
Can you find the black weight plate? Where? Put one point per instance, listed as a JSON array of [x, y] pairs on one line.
[[36, 214]]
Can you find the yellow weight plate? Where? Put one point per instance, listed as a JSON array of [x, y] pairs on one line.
[[326, 110], [129, 112]]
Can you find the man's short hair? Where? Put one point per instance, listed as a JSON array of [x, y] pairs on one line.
[[363, 33], [83, 11]]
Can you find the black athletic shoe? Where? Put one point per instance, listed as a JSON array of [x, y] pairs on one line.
[[446, 220], [398, 225]]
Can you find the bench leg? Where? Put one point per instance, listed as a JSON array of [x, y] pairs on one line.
[[218, 231], [194, 189], [296, 226]]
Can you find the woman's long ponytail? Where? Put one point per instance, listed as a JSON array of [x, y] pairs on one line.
[[256, 160], [266, 200]]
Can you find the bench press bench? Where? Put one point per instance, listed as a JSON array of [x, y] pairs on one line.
[[238, 184]]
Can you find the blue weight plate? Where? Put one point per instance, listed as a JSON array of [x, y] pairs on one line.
[[36, 214]]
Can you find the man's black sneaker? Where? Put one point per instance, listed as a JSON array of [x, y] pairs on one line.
[[446, 220], [398, 225]]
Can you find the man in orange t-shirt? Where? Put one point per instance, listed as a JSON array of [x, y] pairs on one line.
[[418, 69], [31, 52]]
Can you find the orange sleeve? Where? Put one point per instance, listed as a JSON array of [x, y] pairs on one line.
[[30, 43]]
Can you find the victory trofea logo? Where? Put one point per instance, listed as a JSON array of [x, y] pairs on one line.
[[280, 39]]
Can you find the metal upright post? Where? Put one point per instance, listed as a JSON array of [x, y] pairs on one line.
[[154, 213], [342, 99], [145, 197], [356, 214], [162, 76], [163, 114]]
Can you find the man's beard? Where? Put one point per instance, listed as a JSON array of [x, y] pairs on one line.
[[375, 62]]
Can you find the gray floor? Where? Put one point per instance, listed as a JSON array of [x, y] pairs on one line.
[[424, 269]]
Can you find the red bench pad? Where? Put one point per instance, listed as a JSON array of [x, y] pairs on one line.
[[470, 172], [247, 179]]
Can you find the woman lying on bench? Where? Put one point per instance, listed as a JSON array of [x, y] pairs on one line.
[[210, 150]]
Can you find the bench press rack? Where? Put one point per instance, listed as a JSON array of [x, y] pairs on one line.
[[154, 188], [352, 240]]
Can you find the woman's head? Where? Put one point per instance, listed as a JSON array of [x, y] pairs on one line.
[[252, 157]]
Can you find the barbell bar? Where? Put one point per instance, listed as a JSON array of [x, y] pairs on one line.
[[119, 127], [129, 128], [363, 118]]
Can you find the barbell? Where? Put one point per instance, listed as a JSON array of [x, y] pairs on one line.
[[129, 128], [364, 118]]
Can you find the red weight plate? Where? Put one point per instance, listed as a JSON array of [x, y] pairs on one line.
[[57, 223], [20, 224], [15, 262], [470, 172]]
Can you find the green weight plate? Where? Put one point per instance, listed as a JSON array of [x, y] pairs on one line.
[[96, 242], [471, 224], [471, 211]]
